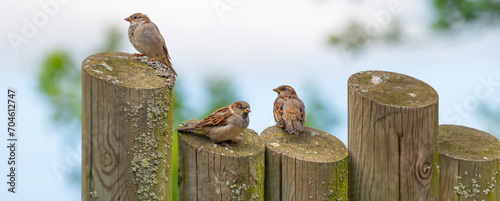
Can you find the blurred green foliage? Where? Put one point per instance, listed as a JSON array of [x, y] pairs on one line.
[[355, 38], [449, 15], [453, 13], [60, 82]]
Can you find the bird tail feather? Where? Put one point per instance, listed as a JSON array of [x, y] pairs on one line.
[[190, 129], [295, 127]]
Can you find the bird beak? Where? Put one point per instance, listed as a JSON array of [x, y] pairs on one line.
[[246, 111], [277, 90], [128, 19]]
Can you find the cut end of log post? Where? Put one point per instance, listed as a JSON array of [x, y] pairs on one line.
[[312, 165], [392, 89], [210, 171], [124, 69], [311, 145], [469, 161], [466, 143]]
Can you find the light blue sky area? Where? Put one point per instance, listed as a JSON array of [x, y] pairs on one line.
[[260, 44]]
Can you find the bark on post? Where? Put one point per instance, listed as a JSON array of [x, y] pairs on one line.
[[126, 130], [392, 132], [209, 171], [469, 162], [312, 166]]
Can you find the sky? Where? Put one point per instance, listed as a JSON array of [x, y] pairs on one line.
[[262, 44]]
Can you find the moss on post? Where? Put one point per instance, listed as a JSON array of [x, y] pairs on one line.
[[311, 166], [209, 171], [126, 130]]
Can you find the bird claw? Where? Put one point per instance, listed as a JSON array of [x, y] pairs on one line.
[[152, 59], [228, 147], [137, 55]]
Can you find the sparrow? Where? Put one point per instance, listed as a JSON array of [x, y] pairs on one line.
[[224, 123], [146, 38], [289, 111]]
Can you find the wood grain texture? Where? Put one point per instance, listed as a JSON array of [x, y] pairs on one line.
[[312, 166], [126, 130], [392, 137], [469, 162], [209, 171]]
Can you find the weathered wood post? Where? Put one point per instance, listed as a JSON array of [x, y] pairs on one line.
[[312, 166], [392, 131], [209, 171], [469, 162], [126, 130]]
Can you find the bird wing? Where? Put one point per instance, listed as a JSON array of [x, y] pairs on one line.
[[217, 118], [292, 104], [165, 50], [278, 111], [302, 110]]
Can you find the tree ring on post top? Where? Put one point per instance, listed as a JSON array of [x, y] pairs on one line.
[[131, 72], [395, 89]]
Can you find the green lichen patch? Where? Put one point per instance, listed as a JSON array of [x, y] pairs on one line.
[[467, 143], [392, 89], [151, 154], [311, 145], [144, 165], [249, 142], [122, 69]]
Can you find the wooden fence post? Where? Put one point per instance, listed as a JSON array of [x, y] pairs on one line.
[[392, 134], [311, 166], [126, 130], [209, 171], [469, 162]]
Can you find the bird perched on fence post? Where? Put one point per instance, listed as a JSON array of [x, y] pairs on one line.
[[289, 111], [223, 124], [146, 38]]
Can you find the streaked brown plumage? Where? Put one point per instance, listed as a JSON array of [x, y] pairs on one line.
[[224, 123], [289, 111], [146, 38]]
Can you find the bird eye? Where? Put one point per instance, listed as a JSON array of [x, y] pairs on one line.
[[135, 17]]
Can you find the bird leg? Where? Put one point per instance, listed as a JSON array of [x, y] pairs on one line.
[[152, 59], [137, 55], [234, 141], [227, 146]]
